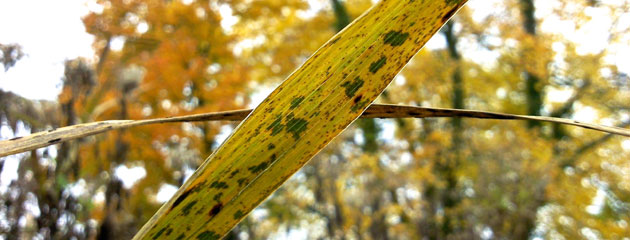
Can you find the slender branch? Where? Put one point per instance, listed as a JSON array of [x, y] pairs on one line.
[[50, 137]]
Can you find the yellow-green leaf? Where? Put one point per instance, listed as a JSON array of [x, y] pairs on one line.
[[310, 108]]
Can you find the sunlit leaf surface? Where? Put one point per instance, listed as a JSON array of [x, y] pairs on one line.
[[318, 101]]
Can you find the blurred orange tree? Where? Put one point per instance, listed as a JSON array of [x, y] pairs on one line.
[[380, 179]]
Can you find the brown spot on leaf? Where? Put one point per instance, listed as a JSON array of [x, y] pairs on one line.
[[449, 14], [181, 198], [357, 99], [215, 210]]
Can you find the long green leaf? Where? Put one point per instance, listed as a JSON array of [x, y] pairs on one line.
[[298, 119]]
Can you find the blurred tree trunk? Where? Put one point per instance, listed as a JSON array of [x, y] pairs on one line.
[[447, 199], [115, 224], [378, 228], [533, 90], [334, 222], [48, 184], [341, 15], [533, 86]]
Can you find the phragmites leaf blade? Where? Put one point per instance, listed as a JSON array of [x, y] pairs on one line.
[[318, 101]]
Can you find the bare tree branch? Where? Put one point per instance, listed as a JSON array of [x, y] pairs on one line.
[[47, 138]]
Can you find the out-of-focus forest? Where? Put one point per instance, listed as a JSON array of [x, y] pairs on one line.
[[381, 178]]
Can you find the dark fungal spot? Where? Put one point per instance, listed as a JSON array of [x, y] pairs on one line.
[[395, 38], [335, 40], [215, 210], [375, 66], [169, 231], [296, 126], [54, 140], [181, 198], [296, 102], [359, 106], [219, 185], [233, 173], [159, 233], [449, 2], [187, 207], [238, 214], [197, 187], [208, 235], [15, 138], [258, 168], [352, 87], [495, 116], [217, 197], [271, 146], [413, 113], [276, 126], [357, 99], [449, 14], [241, 181], [181, 236], [290, 116]]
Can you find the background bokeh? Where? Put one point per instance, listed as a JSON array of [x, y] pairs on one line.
[[379, 179]]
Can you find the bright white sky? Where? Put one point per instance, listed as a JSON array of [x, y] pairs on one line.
[[50, 32]]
